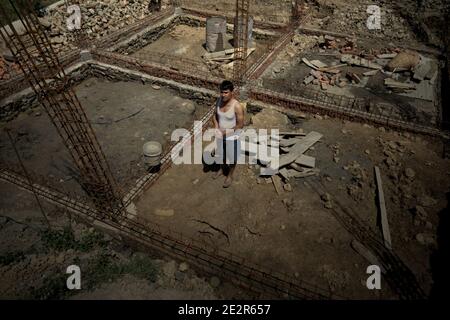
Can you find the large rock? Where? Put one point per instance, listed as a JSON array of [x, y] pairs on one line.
[[407, 59], [270, 119], [187, 107]]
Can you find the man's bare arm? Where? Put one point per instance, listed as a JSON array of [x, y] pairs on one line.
[[239, 116]]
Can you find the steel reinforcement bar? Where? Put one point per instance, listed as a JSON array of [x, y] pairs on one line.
[[192, 77], [333, 110], [166, 161], [230, 18], [19, 82], [258, 68], [209, 259]]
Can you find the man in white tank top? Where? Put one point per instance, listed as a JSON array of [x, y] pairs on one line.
[[228, 122]]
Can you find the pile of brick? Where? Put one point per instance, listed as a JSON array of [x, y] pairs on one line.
[[6, 69]]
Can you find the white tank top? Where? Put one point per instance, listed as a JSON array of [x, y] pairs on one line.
[[227, 120]]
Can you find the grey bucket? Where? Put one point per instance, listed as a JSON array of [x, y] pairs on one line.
[[216, 30], [152, 151]]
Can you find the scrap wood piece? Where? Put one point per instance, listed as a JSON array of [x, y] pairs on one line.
[[400, 85], [386, 55], [305, 173], [382, 205], [319, 64], [332, 68], [370, 73], [284, 173], [358, 61], [289, 142], [296, 167], [299, 148], [367, 254], [309, 64], [277, 184], [249, 147], [225, 55], [308, 79], [306, 161], [292, 134]]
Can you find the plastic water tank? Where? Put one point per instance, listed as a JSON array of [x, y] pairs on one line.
[[216, 30], [241, 25]]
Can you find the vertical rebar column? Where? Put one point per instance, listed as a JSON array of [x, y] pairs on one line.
[[240, 41], [41, 67]]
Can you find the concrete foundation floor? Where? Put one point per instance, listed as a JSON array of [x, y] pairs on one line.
[[189, 42], [124, 116]]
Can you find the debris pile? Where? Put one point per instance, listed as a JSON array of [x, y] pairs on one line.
[[99, 18], [404, 72], [223, 60], [7, 69], [292, 163]]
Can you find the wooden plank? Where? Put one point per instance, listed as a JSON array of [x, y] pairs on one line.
[[306, 161], [276, 180], [382, 204], [299, 148], [304, 174], [249, 147], [309, 64], [225, 55], [296, 167], [284, 173], [292, 134], [319, 64], [289, 142]]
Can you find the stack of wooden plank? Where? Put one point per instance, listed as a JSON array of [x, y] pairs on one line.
[[292, 162]]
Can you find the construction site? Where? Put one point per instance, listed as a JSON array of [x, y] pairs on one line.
[[359, 98]]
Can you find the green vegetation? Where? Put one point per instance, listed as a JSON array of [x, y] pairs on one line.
[[65, 240], [11, 257]]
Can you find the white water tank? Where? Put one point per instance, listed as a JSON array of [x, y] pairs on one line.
[[216, 30]]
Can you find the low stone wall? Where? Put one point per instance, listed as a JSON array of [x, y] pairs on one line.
[[26, 100]]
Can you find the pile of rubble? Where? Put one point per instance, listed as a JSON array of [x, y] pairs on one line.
[[404, 72], [348, 18], [7, 68], [99, 18]]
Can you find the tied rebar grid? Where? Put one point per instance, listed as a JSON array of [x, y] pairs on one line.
[[51, 86], [208, 258], [340, 107], [240, 41], [400, 278]]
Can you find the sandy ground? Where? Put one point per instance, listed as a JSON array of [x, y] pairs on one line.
[[124, 116], [293, 232]]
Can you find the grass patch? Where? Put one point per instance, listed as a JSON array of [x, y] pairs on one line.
[[65, 240], [104, 269], [11, 257]]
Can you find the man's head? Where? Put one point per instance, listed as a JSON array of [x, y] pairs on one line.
[[226, 90]]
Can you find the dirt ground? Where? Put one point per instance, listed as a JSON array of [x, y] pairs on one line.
[[33, 260], [293, 232], [124, 116], [189, 42]]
